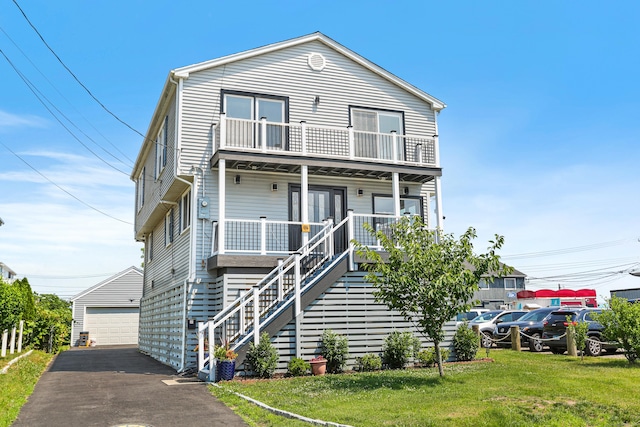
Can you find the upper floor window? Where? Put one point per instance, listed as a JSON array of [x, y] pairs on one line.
[[140, 188], [161, 149], [168, 227], [252, 107], [368, 125], [509, 283], [483, 284], [185, 211]]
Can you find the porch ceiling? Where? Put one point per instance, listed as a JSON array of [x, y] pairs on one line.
[[284, 163]]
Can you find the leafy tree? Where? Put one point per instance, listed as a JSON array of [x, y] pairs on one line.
[[52, 326], [16, 303], [622, 325], [429, 276]]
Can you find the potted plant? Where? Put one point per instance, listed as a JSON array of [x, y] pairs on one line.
[[226, 367], [318, 365]]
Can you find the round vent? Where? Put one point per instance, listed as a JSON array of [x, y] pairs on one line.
[[316, 61]]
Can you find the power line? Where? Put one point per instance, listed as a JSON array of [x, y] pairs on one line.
[[69, 102], [73, 75], [35, 92], [50, 181], [566, 250]]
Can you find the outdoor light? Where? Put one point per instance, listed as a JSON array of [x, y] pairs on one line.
[[274, 186], [236, 179]]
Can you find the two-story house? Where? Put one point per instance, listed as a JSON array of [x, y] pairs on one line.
[[256, 172]]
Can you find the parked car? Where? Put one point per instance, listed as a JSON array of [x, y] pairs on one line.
[[555, 326], [487, 322], [469, 315], [531, 327]]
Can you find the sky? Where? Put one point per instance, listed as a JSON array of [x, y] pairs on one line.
[[540, 140]]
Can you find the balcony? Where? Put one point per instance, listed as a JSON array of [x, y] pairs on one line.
[[333, 151]]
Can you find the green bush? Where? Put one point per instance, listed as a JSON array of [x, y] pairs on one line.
[[427, 356], [622, 325], [465, 343], [298, 367], [398, 348], [334, 348], [262, 358], [369, 362]]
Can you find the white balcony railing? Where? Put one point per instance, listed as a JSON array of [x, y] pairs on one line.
[[326, 142]]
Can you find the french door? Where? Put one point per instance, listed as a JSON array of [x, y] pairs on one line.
[[324, 202], [248, 134], [373, 132]]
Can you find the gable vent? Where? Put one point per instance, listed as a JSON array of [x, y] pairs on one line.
[[316, 61]]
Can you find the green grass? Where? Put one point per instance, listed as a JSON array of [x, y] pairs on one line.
[[517, 389], [17, 384]]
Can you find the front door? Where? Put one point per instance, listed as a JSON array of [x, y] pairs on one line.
[[324, 202]]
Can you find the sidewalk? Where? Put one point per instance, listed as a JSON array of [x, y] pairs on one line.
[[114, 386]]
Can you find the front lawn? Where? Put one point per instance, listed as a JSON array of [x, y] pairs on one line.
[[517, 389], [18, 383]]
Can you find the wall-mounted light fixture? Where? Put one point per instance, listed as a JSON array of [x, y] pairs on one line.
[[405, 190], [360, 192], [316, 100], [274, 186], [236, 179]]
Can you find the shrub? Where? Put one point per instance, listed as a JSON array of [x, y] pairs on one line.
[[427, 356], [262, 358], [465, 343], [622, 325], [398, 348], [335, 349], [369, 362], [298, 367]]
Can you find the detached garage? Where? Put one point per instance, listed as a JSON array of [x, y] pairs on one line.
[[110, 310]]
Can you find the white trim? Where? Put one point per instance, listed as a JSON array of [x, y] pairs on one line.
[[515, 284]]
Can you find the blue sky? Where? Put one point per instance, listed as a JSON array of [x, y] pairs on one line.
[[539, 141]]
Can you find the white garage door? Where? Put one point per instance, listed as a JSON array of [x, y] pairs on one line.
[[112, 325]]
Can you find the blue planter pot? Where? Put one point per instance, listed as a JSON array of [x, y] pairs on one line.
[[226, 370]]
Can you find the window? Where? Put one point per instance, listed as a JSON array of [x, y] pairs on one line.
[[185, 211], [253, 107], [161, 149], [149, 250], [369, 125], [383, 204], [509, 283], [168, 228], [140, 189], [482, 284]]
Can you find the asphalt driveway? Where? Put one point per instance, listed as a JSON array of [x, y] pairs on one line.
[[117, 386]]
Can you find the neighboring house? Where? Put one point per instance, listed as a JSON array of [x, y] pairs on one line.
[[6, 273], [110, 310], [630, 294], [250, 158], [500, 292]]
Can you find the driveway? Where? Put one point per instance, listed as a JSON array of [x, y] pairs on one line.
[[117, 386]]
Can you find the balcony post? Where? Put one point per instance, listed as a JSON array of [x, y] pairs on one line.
[[263, 134], [396, 194], [351, 142], [221, 205], [394, 146], [297, 280], [418, 154], [256, 315], [303, 136], [304, 200], [439, 216], [223, 130], [436, 149], [351, 236]]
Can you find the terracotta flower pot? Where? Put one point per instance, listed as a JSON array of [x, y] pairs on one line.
[[318, 367]]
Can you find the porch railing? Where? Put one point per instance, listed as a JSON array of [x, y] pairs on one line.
[[326, 141], [242, 320], [261, 236]]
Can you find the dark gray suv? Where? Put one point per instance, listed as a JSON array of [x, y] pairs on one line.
[[555, 328]]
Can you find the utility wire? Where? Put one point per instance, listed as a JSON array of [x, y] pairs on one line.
[[73, 75], [69, 102], [566, 250], [53, 183], [35, 92]]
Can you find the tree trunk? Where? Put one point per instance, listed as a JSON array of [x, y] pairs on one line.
[[439, 358]]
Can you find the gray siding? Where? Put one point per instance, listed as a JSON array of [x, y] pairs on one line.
[[116, 291]]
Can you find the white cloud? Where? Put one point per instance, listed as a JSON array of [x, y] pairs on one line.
[[27, 120]]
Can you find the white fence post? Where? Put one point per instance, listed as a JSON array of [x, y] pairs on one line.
[[263, 134], [351, 142], [5, 336], [20, 336], [350, 237], [297, 281], [394, 146], [303, 137], [12, 343]]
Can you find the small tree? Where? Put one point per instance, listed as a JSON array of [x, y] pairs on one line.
[[335, 349], [622, 325], [429, 276], [263, 358], [466, 343]]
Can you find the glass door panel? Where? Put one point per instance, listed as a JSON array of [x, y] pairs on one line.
[[239, 133], [273, 111]]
